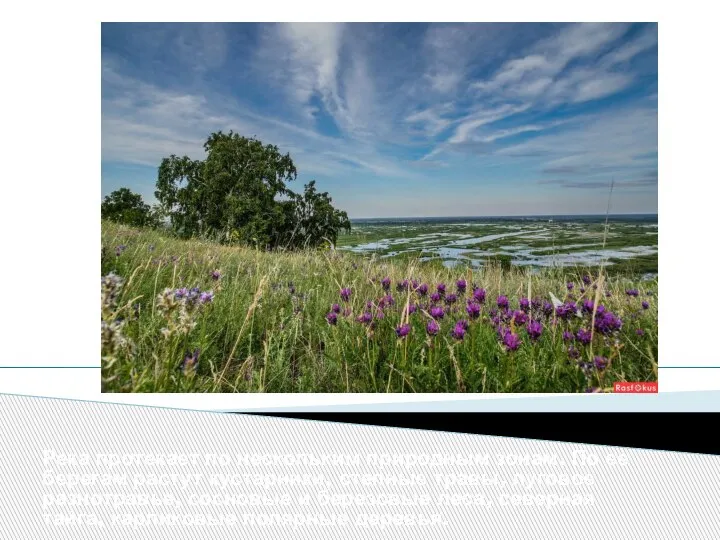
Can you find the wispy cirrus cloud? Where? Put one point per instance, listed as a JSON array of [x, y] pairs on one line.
[[142, 123], [394, 108]]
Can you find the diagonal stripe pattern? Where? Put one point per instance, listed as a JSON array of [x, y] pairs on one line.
[[86, 470]]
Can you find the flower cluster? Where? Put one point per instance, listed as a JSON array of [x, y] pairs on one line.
[[111, 324], [607, 322], [190, 363], [181, 308], [510, 339], [577, 322], [110, 286]]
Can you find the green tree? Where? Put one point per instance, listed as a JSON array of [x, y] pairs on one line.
[[124, 206], [238, 193], [315, 220]]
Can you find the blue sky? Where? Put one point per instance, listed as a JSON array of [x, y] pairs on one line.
[[398, 119]]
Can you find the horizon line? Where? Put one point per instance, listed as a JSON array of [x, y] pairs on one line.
[[509, 216]]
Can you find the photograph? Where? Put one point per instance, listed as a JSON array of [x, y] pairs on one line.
[[379, 207]]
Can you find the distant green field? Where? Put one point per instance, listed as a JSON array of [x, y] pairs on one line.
[[194, 316]]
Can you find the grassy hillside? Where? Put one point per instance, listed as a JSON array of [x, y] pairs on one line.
[[193, 316]]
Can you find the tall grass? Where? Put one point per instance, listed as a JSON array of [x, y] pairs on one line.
[[265, 329]]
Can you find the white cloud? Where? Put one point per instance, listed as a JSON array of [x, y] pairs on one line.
[[390, 107], [142, 123], [445, 47], [482, 117], [621, 144], [303, 59], [546, 72], [434, 120], [646, 40]]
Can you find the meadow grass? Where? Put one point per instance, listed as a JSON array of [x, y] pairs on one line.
[[264, 328]]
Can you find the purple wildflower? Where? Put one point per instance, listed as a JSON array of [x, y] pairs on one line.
[[570, 285], [520, 317], [331, 318], [345, 293], [402, 330], [547, 308], [632, 292], [206, 297], [607, 323], [588, 306], [435, 297], [645, 305], [215, 274], [441, 288], [403, 285], [451, 298], [459, 331], [502, 301], [461, 285], [566, 310], [437, 312], [291, 288], [573, 353], [584, 336], [379, 314], [432, 327], [335, 308], [511, 341], [479, 295], [190, 363], [525, 304], [600, 363], [365, 318], [385, 283], [640, 332], [386, 300], [473, 310], [586, 279], [534, 330], [182, 293], [567, 336], [412, 308], [422, 289], [582, 290]]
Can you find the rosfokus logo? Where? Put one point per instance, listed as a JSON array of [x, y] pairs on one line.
[[635, 387]]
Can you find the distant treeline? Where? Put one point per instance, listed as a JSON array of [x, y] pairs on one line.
[[237, 194]]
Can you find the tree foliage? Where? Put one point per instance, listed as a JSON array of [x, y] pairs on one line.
[[124, 206], [239, 193], [314, 219]]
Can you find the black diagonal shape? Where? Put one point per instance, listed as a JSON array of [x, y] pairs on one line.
[[680, 432]]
